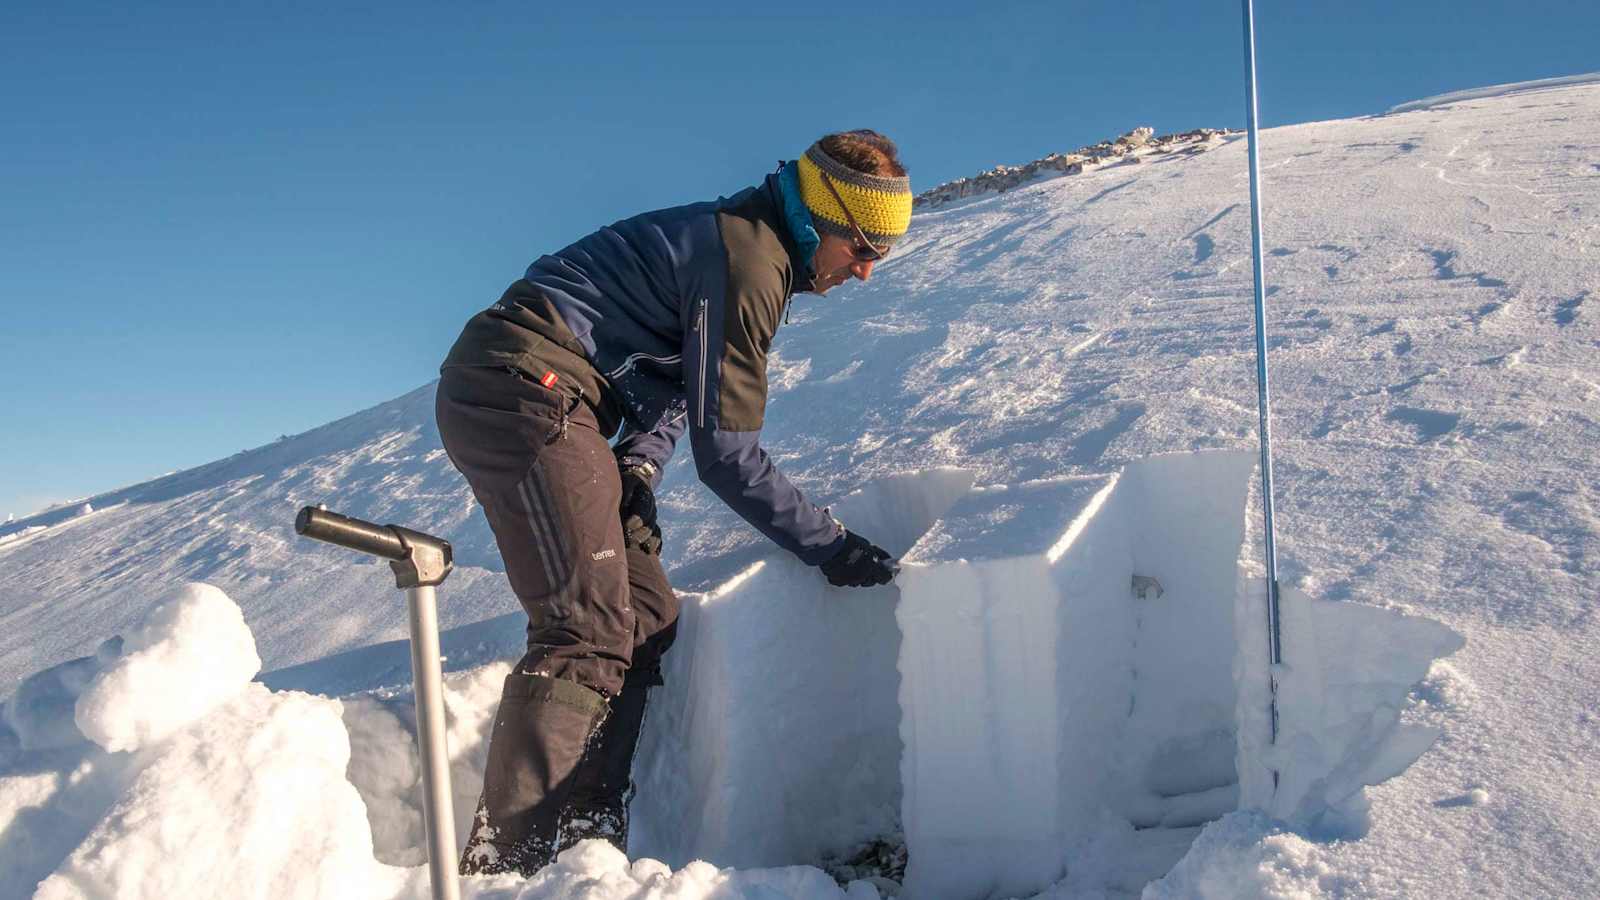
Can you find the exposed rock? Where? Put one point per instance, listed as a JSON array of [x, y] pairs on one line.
[[880, 862], [1131, 147]]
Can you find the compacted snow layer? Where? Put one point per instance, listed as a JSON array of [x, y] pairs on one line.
[[1432, 326]]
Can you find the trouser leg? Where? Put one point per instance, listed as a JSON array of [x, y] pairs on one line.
[[603, 784], [548, 485]]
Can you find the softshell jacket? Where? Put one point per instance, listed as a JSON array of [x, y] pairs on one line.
[[674, 312]]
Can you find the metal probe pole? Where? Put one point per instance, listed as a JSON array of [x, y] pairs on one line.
[[1274, 636], [419, 562]]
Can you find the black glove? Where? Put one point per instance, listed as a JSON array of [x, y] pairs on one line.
[[860, 563], [639, 528]]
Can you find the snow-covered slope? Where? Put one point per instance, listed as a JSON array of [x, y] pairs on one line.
[[1434, 331]]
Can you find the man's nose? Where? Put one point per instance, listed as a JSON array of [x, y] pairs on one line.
[[862, 269]]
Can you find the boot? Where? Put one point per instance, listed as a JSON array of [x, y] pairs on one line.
[[597, 807], [540, 733]]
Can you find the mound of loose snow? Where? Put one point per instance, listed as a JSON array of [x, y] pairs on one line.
[[252, 795], [1245, 856], [162, 771], [192, 651], [595, 870], [200, 782]]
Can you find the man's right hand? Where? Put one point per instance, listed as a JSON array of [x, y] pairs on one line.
[[860, 563]]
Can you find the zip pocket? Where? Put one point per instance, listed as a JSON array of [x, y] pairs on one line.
[[700, 417]]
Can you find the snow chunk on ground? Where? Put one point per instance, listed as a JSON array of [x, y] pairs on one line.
[[254, 795], [1244, 856], [595, 870], [1347, 671], [192, 652]]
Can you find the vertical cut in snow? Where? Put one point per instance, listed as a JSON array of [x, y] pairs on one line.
[[385, 768], [1346, 673]]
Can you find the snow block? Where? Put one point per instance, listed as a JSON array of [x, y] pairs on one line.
[[1037, 691]]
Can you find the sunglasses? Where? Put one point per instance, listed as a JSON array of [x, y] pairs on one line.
[[864, 250]]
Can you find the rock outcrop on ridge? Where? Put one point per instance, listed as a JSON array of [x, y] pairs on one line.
[[1131, 147]]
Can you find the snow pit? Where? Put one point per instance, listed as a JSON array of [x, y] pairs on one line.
[[1067, 680], [815, 667]]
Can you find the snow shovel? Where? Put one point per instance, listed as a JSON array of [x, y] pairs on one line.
[[420, 562]]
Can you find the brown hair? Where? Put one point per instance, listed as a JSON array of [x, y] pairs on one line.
[[865, 151]]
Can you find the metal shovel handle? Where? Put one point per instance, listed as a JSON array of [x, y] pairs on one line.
[[419, 561]]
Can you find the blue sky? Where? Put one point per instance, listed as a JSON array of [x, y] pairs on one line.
[[220, 223]]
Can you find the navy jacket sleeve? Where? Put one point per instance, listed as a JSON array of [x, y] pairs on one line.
[[654, 447], [725, 347]]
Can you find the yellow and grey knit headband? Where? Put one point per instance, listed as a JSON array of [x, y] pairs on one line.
[[880, 205]]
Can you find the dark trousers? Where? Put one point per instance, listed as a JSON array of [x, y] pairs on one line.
[[600, 615]]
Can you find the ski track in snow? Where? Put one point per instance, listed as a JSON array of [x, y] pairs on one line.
[[1437, 398]]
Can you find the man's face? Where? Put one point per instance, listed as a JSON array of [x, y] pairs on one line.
[[836, 261]]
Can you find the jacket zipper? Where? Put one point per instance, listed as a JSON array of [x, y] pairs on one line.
[[701, 417]]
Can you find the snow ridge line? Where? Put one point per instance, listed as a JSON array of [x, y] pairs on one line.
[[1498, 90], [1132, 146]]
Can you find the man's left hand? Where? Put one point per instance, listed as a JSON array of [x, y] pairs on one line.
[[639, 528]]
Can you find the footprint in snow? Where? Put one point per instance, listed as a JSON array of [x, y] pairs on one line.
[[1567, 312], [1430, 424]]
